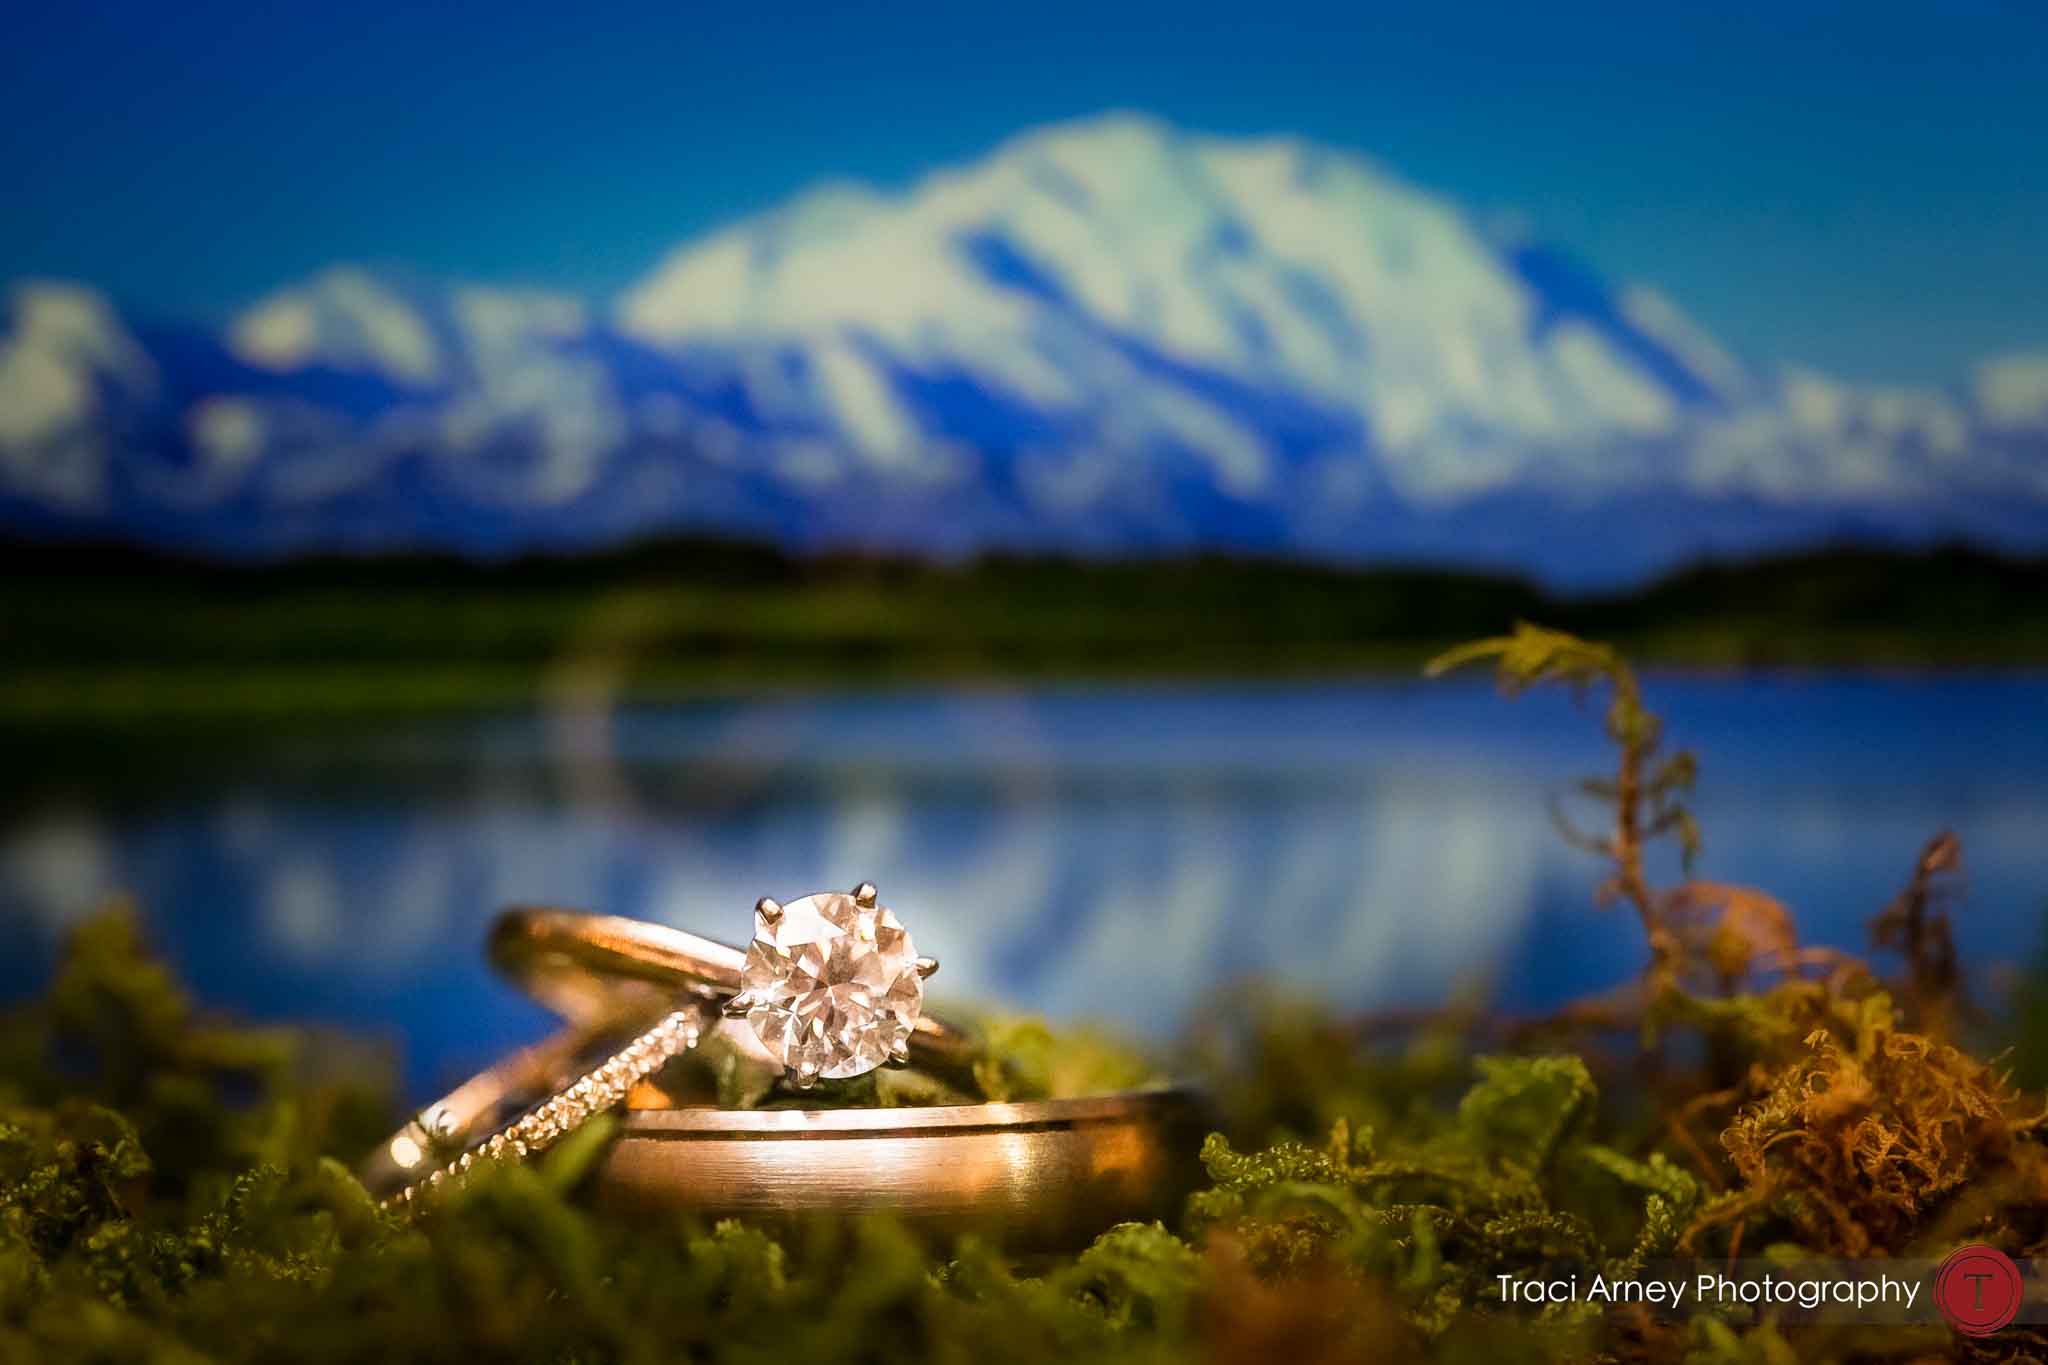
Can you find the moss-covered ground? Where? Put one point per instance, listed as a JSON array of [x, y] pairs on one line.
[[175, 1188]]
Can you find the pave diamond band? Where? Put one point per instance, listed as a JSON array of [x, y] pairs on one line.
[[422, 1157]]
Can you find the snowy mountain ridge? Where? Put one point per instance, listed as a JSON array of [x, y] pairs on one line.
[[1108, 336]]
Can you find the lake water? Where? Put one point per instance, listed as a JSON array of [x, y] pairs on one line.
[[1104, 851]]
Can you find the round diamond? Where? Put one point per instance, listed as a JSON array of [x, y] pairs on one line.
[[834, 985]]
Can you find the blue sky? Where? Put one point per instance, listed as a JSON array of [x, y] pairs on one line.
[[1858, 187]]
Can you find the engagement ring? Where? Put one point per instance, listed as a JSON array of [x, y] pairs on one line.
[[830, 987]]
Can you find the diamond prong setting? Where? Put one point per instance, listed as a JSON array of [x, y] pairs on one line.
[[833, 985]]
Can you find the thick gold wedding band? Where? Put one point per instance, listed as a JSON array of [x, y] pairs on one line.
[[577, 964], [1044, 1175]]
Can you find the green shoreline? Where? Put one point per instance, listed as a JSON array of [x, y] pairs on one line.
[[106, 639]]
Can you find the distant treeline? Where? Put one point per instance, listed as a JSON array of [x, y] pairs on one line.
[[110, 634]]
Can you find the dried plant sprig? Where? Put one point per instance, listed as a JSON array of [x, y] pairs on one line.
[[1916, 926], [1648, 791]]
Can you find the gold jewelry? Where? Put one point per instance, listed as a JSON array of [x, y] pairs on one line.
[[830, 985], [574, 1075], [1042, 1175]]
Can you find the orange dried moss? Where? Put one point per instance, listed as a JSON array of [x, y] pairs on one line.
[[1853, 1149]]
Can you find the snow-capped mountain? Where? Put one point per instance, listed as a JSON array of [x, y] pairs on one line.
[[1106, 336]]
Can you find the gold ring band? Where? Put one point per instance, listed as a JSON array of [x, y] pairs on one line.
[[1041, 1175], [528, 1102], [578, 965]]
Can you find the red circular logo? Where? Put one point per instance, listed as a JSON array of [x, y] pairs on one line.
[[1977, 1289]]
